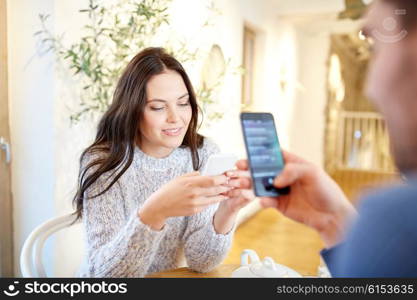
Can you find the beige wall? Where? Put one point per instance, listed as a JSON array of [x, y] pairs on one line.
[[31, 101], [6, 246]]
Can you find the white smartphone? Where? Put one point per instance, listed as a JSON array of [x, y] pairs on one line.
[[217, 164]]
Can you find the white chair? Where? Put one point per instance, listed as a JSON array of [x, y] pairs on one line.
[[31, 264]]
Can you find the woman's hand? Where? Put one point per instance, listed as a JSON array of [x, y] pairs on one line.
[[315, 199], [183, 196], [239, 196], [241, 193]]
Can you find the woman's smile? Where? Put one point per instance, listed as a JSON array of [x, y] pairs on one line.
[[172, 131]]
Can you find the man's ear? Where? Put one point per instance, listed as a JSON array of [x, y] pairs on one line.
[[410, 48]]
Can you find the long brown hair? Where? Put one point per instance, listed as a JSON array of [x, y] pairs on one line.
[[118, 129]]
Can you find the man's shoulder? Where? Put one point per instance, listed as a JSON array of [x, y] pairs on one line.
[[382, 240], [395, 203], [393, 196]]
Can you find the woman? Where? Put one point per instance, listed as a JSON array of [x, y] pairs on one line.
[[143, 204]]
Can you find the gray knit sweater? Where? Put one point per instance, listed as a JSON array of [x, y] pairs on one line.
[[120, 245]]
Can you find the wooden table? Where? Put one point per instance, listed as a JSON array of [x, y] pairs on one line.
[[222, 271]]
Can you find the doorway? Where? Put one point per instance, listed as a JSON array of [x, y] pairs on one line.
[[357, 147]]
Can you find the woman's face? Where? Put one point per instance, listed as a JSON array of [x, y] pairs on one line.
[[166, 116]]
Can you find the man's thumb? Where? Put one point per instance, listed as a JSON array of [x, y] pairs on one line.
[[290, 174]]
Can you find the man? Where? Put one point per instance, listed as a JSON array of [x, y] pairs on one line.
[[382, 237]]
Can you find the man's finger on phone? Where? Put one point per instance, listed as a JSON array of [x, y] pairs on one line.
[[292, 173], [291, 157]]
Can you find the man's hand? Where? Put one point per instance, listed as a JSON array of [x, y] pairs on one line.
[[315, 199]]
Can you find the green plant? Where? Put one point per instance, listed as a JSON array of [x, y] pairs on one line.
[[112, 36]]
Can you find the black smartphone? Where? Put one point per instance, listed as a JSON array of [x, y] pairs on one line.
[[264, 152]]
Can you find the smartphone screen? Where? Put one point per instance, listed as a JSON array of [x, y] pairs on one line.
[[264, 152]]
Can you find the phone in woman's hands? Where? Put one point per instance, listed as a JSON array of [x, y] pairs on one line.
[[217, 164]]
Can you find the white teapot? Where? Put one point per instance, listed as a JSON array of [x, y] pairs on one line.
[[258, 268]]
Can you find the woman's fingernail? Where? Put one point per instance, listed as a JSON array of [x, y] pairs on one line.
[[230, 173]]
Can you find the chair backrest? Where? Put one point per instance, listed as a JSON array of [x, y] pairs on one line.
[[31, 264]]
